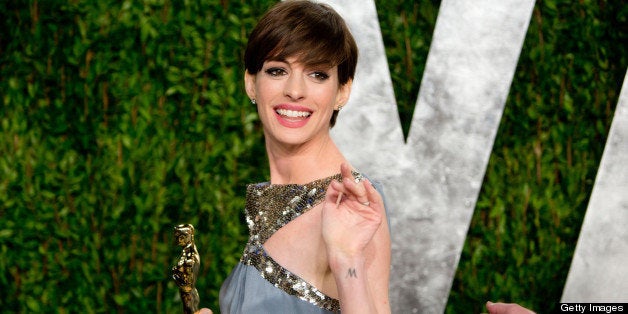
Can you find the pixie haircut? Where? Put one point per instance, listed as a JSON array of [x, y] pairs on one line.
[[314, 33]]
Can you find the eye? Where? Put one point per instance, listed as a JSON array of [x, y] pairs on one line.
[[319, 75], [275, 71]]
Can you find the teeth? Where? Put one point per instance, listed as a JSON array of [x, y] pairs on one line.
[[292, 113]]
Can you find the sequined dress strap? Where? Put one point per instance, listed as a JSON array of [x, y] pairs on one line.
[[270, 207]]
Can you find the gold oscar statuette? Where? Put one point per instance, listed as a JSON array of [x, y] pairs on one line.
[[186, 270]]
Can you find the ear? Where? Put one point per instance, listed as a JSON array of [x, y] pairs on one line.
[[343, 94], [249, 84]]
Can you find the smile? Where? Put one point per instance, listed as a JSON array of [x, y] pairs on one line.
[[292, 116], [293, 113]]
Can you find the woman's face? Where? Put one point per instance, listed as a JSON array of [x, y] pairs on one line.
[[294, 102]]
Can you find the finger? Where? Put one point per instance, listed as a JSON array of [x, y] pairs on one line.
[[335, 193], [333, 190], [498, 308], [357, 191], [338, 192], [494, 308], [354, 190], [490, 307], [338, 199], [338, 187], [368, 212], [372, 194], [345, 171]]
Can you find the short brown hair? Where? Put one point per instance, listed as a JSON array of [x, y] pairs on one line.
[[314, 33]]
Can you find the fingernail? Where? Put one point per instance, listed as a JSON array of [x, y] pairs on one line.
[[338, 199]]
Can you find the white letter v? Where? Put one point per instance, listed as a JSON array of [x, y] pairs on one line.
[[432, 181]]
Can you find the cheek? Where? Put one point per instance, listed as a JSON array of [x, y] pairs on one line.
[[261, 111], [267, 89], [329, 96], [265, 113]]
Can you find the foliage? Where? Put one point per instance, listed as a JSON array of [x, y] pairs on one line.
[[121, 119], [407, 28], [545, 158]]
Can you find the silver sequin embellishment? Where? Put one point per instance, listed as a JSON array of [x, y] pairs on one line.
[[270, 207]]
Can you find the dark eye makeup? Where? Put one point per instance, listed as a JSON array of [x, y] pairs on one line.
[[275, 71]]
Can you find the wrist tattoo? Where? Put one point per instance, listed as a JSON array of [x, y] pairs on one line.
[[351, 273]]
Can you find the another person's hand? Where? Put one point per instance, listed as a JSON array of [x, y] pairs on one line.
[[506, 308], [204, 311]]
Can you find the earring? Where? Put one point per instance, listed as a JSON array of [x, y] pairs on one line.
[[339, 108], [253, 101]]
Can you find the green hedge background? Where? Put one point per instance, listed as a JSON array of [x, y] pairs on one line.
[[121, 119]]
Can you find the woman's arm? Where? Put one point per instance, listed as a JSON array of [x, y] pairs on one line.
[[356, 233]]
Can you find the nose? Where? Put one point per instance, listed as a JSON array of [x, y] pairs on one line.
[[295, 87]]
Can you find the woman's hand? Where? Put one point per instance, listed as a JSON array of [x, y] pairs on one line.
[[204, 311], [358, 244], [352, 213]]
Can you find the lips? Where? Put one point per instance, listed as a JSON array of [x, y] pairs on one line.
[[292, 116]]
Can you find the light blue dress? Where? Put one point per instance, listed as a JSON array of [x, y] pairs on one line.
[[258, 284]]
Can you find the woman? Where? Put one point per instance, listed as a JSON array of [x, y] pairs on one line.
[[319, 239]]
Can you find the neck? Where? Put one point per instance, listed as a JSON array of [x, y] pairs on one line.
[[303, 163]]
